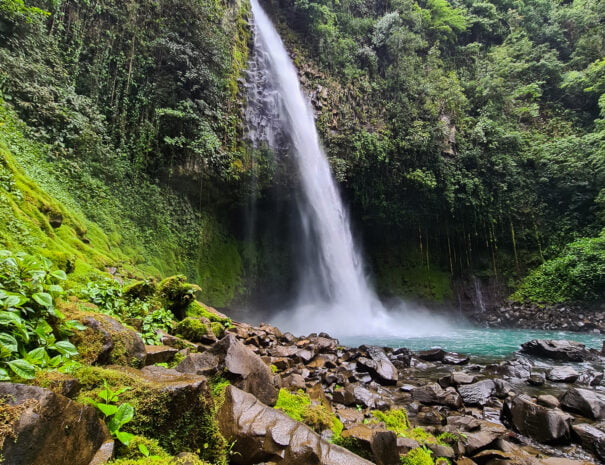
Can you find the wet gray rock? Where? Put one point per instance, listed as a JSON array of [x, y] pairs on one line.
[[294, 382], [519, 368], [503, 388], [569, 351], [540, 423], [591, 438], [431, 355], [548, 401], [453, 358], [536, 379], [404, 445], [463, 423], [564, 374], [363, 396], [233, 360], [159, 354], [460, 377], [43, 428], [585, 402], [487, 434], [477, 393], [379, 366], [376, 441], [440, 450], [262, 434], [433, 394], [590, 377]]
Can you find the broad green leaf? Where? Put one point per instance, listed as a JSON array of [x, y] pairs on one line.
[[124, 437], [43, 299], [75, 324], [59, 274], [4, 375], [22, 368], [55, 289], [66, 348], [43, 328], [56, 361], [38, 356], [121, 391], [14, 301], [8, 318], [122, 416], [106, 409], [143, 449], [9, 341]]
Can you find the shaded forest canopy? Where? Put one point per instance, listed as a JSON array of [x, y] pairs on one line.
[[468, 136]]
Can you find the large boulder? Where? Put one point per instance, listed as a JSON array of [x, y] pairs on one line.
[[174, 408], [379, 366], [262, 434], [41, 427], [232, 359], [585, 402], [591, 438], [433, 394], [564, 374], [569, 351], [540, 423], [477, 393], [107, 342], [375, 441]]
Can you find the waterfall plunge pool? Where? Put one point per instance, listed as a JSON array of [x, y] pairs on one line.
[[483, 343]]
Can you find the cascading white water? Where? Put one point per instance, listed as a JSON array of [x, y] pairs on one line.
[[334, 294]]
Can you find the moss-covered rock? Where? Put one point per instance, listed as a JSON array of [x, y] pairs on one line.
[[141, 290], [133, 449], [199, 330], [39, 426], [195, 308], [106, 341], [173, 408], [181, 459], [176, 294]]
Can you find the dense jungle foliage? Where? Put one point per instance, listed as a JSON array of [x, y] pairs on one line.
[[468, 137], [475, 127]]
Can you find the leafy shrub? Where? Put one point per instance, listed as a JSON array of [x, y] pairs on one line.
[[33, 333], [134, 301], [578, 274]]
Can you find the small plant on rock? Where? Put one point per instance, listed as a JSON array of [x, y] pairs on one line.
[[115, 415]]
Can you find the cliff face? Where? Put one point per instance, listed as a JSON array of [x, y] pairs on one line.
[[127, 114]]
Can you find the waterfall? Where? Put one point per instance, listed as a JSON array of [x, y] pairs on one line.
[[333, 292]]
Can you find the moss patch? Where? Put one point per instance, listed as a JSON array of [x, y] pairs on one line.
[[299, 407], [418, 456]]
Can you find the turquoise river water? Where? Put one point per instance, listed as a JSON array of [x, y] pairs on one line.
[[479, 342]]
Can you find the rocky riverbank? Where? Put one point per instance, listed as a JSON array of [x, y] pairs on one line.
[[533, 316], [386, 406]]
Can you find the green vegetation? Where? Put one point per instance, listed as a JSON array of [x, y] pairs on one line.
[[418, 456], [397, 421], [33, 332], [467, 133], [115, 415], [577, 274], [298, 406]]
